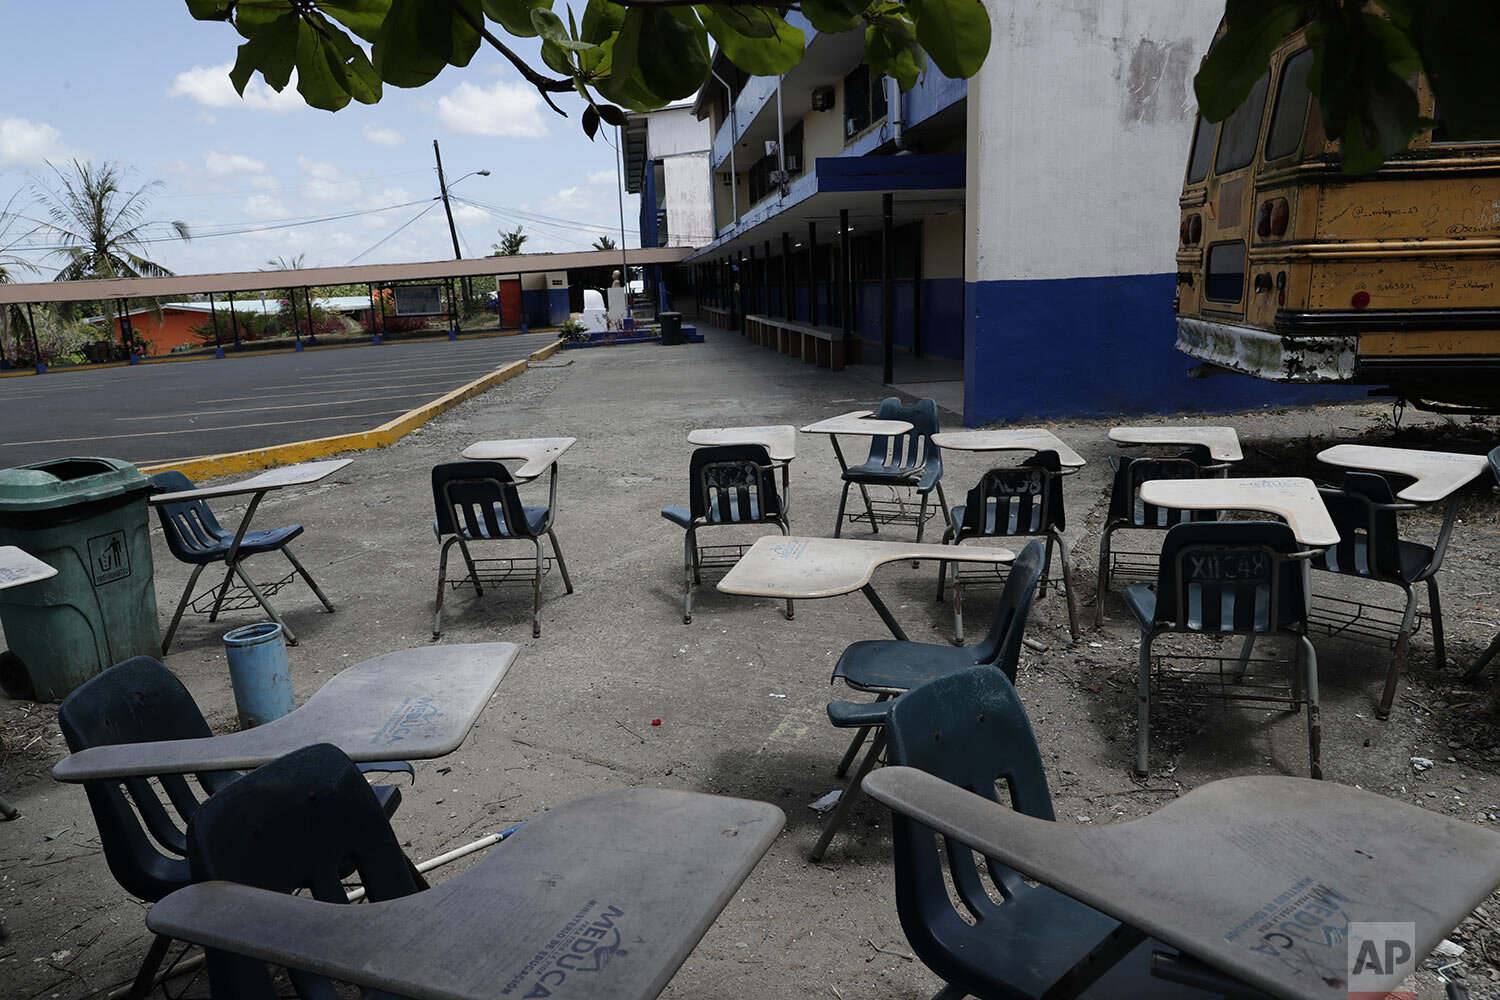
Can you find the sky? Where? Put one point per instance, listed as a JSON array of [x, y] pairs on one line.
[[143, 84]]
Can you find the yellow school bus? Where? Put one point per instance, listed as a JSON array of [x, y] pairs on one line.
[[1290, 270]]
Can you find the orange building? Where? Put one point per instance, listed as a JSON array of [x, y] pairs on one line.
[[173, 328]]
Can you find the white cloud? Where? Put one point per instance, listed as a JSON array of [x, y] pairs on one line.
[[505, 108], [265, 206], [210, 87], [324, 182], [602, 177], [25, 143], [387, 137], [236, 165]]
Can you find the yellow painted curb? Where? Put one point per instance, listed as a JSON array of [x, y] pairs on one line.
[[386, 434], [542, 354]]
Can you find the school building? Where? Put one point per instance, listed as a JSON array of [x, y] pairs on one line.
[[1013, 233]]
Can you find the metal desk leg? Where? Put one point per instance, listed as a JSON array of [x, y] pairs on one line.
[[846, 800], [864, 493], [885, 615]]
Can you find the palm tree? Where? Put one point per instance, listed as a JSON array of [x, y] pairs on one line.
[[604, 243], [510, 243], [103, 228]]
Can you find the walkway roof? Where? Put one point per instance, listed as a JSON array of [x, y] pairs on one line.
[[359, 274]]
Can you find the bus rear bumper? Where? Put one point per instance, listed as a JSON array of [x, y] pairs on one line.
[[1308, 360]]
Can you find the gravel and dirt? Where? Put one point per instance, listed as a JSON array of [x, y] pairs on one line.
[[741, 692]]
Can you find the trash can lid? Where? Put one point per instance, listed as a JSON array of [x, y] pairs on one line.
[[64, 482]]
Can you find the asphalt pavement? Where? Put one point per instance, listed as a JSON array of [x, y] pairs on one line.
[[167, 412]]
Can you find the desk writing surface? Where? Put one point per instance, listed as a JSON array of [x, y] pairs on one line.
[[858, 422], [800, 567], [780, 440], [602, 897], [1010, 439], [1438, 473], [535, 454], [1220, 872], [413, 704], [1293, 497], [18, 568], [301, 474], [1223, 443]]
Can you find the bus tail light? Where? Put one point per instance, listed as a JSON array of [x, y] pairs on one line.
[[1272, 218], [1359, 299]]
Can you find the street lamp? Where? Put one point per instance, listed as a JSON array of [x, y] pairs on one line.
[[452, 229]]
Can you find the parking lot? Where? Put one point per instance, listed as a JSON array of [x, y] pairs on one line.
[[157, 413]]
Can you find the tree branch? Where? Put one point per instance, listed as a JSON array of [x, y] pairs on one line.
[[543, 84]]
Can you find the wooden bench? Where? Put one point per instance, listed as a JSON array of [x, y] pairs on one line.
[[819, 345]]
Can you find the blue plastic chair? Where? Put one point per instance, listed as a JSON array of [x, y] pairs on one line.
[[144, 841], [478, 501], [1230, 578], [305, 822], [1128, 510], [1013, 502], [1489, 654], [970, 729], [194, 536], [887, 667], [910, 459], [728, 486], [1370, 546]]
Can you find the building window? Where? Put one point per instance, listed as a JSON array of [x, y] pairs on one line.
[[759, 175], [864, 100]]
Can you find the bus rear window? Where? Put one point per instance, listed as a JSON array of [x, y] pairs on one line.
[[1241, 130], [1226, 272], [1203, 147], [1290, 114]]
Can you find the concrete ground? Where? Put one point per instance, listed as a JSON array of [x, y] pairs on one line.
[[172, 411], [741, 692]]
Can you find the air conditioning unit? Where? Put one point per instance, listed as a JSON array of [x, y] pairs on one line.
[[822, 99], [791, 165]]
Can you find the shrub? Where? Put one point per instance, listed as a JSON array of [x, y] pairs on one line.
[[573, 332]]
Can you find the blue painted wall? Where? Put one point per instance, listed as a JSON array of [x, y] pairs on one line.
[[544, 306], [1095, 347], [942, 316]]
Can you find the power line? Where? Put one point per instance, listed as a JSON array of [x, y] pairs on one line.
[[414, 218], [268, 227]]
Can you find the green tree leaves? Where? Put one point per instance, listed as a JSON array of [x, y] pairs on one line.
[[637, 54]]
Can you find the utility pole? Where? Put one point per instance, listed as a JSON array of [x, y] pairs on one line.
[[443, 187]]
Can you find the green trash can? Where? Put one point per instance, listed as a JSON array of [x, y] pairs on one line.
[[88, 518]]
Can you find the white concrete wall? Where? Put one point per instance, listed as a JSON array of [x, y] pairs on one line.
[[1079, 125], [690, 216], [674, 131]]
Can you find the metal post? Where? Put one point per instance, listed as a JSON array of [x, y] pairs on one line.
[[620, 191], [887, 320], [788, 300], [812, 276], [234, 321], [213, 312], [750, 284], [916, 296], [36, 347], [312, 331], [766, 278], [846, 297], [296, 323]]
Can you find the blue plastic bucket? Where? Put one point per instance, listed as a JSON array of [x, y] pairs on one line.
[[259, 673]]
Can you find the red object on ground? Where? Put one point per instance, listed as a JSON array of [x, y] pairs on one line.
[[656, 722]]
